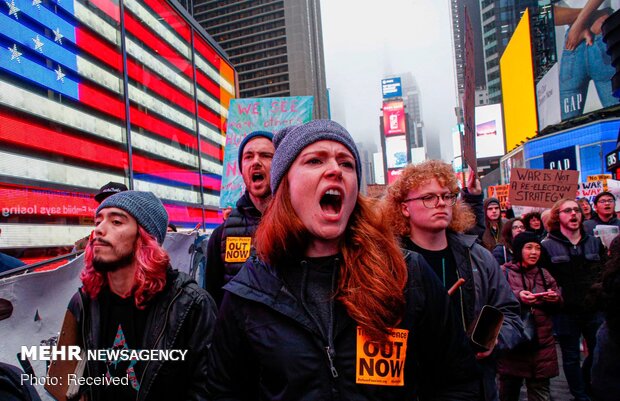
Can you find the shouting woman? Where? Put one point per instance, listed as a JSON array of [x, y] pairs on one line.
[[330, 307]]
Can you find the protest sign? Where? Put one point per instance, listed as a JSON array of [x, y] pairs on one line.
[[248, 115], [613, 186], [541, 188], [381, 364], [500, 192], [589, 190], [600, 177]]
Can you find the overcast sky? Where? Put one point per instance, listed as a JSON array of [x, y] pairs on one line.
[[366, 40]]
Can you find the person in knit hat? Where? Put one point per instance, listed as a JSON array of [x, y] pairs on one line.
[[535, 361], [132, 299], [328, 288], [493, 223], [230, 243]]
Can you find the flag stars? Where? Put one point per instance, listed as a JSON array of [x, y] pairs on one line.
[[60, 76], [13, 10], [37, 3], [38, 45], [58, 36], [14, 53]]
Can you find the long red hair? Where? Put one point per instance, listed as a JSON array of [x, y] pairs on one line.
[[373, 273], [150, 277]]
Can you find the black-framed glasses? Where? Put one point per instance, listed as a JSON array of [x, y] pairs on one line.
[[571, 209], [431, 201], [606, 201]]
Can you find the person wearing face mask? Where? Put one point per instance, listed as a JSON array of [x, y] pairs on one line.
[[330, 308], [230, 243], [503, 251], [537, 292]]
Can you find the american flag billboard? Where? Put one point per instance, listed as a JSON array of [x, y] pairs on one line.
[[105, 90]]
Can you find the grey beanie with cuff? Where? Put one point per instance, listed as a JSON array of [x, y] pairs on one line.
[[290, 141], [145, 207]]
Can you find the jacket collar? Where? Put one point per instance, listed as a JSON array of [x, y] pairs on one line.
[[558, 236], [259, 282], [246, 206]]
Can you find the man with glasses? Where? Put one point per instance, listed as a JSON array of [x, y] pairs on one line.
[[575, 261], [605, 207], [423, 208]]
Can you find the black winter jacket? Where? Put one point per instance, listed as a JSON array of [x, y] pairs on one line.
[[242, 222], [182, 316], [589, 225], [266, 347], [574, 267]]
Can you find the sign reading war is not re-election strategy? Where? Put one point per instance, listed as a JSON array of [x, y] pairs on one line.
[[248, 115], [541, 188]]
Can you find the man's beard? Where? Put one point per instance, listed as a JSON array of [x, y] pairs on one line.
[[113, 265]]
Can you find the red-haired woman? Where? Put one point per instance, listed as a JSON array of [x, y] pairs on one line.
[[329, 308]]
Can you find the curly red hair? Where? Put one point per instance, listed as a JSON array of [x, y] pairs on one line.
[[416, 176], [150, 276]]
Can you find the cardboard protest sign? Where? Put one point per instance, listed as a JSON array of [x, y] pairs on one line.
[[248, 115], [501, 192], [541, 188]]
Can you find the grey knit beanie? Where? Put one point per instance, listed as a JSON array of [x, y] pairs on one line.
[[290, 141], [248, 138], [145, 207]]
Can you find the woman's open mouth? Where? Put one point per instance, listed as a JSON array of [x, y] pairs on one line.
[[331, 202]]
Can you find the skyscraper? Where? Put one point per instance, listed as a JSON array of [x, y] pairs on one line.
[[499, 20], [457, 11], [275, 46]]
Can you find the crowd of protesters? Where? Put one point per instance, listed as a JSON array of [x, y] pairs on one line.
[[345, 297]]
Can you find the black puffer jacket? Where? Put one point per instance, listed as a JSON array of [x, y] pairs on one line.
[[267, 347], [574, 267], [181, 317], [242, 222]]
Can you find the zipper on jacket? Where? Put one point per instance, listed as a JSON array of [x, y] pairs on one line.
[[161, 333], [330, 357]]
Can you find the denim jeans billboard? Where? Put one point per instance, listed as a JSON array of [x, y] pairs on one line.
[[585, 70]]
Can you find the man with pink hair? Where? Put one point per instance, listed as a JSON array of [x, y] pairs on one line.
[[133, 300]]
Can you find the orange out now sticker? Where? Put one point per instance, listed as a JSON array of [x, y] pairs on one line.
[[381, 365], [237, 249]]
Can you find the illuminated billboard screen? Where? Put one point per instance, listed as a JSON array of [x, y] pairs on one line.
[[581, 81], [391, 87], [489, 131], [517, 76], [394, 118], [396, 151], [82, 105]]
